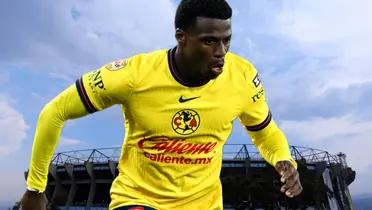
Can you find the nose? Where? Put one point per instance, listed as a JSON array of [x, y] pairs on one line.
[[220, 50]]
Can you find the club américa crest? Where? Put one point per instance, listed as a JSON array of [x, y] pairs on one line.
[[185, 121]]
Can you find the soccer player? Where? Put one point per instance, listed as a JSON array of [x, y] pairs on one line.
[[179, 105]]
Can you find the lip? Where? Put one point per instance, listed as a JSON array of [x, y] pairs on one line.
[[218, 64], [217, 68]]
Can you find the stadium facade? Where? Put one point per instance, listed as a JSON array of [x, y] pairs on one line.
[[82, 179]]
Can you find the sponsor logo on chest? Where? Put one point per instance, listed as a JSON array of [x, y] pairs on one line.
[[171, 151]]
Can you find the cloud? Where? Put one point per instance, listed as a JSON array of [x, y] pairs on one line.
[[4, 78], [339, 134], [64, 141], [308, 54], [66, 38], [334, 29], [299, 102], [13, 185], [13, 128], [363, 184]]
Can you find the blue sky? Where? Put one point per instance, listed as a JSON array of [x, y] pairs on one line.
[[313, 56]]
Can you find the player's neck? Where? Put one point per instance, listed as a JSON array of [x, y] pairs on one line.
[[185, 72]]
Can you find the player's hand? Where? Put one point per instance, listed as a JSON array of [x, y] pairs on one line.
[[33, 201], [290, 177]]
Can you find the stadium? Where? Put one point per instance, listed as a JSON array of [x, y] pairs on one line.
[[82, 179]]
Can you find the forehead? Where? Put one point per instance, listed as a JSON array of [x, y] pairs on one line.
[[204, 26]]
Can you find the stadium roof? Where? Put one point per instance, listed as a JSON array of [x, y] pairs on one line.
[[231, 152]]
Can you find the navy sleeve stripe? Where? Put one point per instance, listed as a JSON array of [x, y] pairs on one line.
[[84, 96], [261, 125]]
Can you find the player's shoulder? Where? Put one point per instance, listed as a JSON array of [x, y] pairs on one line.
[[149, 57], [137, 59], [240, 64]]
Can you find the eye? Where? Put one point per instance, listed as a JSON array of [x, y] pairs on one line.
[[227, 40], [209, 41]]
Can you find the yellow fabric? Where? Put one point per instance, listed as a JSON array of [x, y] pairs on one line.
[[67, 105], [172, 152], [272, 144]]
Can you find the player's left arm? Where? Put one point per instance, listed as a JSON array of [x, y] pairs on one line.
[[268, 138]]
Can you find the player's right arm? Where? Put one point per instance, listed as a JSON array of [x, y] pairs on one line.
[[267, 136], [94, 91]]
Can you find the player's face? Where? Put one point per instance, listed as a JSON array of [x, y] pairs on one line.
[[206, 44]]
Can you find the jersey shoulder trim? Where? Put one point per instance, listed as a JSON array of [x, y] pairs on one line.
[[84, 96]]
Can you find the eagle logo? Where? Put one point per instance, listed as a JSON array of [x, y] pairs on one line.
[[185, 121]]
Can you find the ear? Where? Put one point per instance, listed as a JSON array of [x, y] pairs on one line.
[[180, 36]]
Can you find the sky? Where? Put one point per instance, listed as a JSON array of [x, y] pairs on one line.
[[313, 58]]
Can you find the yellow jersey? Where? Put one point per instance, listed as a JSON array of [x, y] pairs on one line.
[[172, 152]]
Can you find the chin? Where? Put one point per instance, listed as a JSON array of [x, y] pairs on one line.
[[213, 75]]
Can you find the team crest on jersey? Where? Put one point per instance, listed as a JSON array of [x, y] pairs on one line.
[[186, 121], [116, 65]]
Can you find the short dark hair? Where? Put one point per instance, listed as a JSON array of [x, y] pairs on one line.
[[189, 10]]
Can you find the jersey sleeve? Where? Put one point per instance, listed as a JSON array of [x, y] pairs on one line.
[[255, 114], [257, 119], [94, 91], [67, 105], [108, 85]]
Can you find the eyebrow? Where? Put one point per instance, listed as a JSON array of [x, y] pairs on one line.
[[214, 37]]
